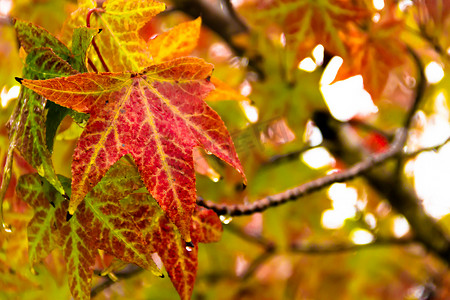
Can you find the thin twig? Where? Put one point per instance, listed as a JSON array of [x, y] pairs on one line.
[[433, 148], [269, 249], [258, 240], [277, 159], [432, 41], [370, 128], [257, 262], [420, 90], [345, 247], [222, 23], [309, 187], [130, 271]]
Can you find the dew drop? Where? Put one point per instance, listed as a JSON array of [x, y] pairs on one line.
[[189, 246], [7, 228], [225, 220]]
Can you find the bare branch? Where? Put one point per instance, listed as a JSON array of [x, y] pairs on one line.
[[277, 159], [129, 271], [257, 262], [309, 187], [345, 247], [258, 240], [234, 15], [223, 22], [434, 148]]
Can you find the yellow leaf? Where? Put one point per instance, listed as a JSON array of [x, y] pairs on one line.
[[177, 42]]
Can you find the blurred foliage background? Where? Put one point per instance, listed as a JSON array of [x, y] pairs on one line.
[[311, 111]]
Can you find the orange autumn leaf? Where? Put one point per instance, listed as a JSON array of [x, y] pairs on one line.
[[306, 23], [224, 92], [374, 53]]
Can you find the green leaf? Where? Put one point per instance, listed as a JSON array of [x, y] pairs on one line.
[[81, 40], [31, 36]]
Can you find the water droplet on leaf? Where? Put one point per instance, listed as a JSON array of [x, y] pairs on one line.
[[225, 220], [189, 246], [7, 228]]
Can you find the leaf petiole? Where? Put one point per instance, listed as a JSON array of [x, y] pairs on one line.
[[97, 50]]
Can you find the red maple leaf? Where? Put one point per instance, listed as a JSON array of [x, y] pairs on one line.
[[158, 116]]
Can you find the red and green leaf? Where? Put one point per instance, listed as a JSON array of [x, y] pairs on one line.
[[96, 225], [47, 57], [27, 124], [163, 238], [158, 116], [126, 224]]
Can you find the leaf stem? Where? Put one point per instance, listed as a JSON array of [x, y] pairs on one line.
[[93, 67], [94, 44], [6, 178]]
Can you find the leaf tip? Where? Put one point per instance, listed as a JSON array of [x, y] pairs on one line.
[[68, 216], [18, 79]]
